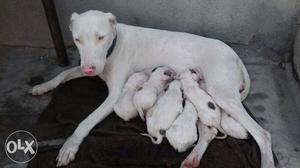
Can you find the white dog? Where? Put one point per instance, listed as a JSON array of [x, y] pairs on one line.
[[145, 98], [114, 51], [183, 132], [165, 111], [206, 135], [124, 107]]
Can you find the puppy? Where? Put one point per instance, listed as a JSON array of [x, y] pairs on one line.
[[163, 114], [124, 107], [228, 126], [208, 111], [146, 96], [183, 132], [206, 135]]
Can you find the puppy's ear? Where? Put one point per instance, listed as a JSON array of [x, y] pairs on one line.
[[73, 17], [112, 19]]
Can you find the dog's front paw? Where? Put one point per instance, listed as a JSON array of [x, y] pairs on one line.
[[67, 152], [41, 89]]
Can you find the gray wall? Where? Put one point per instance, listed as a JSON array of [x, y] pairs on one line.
[[272, 22], [23, 23]]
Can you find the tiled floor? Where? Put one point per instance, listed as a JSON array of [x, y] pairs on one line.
[[274, 98]]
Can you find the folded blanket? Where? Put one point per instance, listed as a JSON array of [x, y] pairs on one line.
[[115, 143]]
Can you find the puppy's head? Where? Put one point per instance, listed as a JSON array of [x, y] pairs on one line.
[[196, 74], [193, 74], [93, 33], [163, 74]]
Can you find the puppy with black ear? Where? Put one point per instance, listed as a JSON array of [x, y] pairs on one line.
[[183, 132], [165, 111], [208, 112], [124, 107], [146, 96]]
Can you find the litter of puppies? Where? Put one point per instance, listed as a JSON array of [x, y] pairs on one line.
[[177, 106]]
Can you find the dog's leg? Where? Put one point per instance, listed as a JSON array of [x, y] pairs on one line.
[[229, 101], [206, 135], [115, 84], [53, 83]]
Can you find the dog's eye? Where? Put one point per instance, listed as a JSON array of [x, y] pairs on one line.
[[100, 38]]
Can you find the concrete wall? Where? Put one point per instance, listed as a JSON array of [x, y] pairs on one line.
[[272, 22], [23, 23], [296, 56]]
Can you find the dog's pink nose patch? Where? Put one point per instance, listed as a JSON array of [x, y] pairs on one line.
[[89, 70]]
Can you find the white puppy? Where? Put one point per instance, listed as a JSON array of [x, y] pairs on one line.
[[206, 135], [147, 95], [183, 132], [124, 107], [163, 114], [208, 111]]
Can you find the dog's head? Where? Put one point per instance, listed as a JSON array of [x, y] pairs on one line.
[[93, 33]]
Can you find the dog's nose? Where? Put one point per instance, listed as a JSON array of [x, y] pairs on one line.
[[89, 70]]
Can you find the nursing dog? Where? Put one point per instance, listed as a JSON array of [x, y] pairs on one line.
[[114, 51]]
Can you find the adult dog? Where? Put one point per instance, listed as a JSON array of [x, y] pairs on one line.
[[114, 51]]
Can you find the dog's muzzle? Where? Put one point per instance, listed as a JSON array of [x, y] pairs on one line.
[[89, 70]]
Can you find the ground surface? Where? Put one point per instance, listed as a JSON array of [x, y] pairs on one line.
[[274, 98]]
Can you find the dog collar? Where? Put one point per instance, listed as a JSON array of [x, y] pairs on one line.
[[111, 48]]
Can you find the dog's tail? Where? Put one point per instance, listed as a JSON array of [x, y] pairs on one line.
[[158, 140], [246, 81]]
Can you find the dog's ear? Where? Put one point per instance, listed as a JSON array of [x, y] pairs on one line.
[[112, 19], [113, 22], [73, 17]]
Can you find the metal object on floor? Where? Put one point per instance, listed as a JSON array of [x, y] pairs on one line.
[[56, 34]]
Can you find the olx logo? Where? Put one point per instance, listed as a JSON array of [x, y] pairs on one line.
[[21, 146]]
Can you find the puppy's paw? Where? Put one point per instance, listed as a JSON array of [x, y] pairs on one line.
[[191, 161], [41, 89], [67, 152]]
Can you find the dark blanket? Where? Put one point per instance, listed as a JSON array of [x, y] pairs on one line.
[[115, 143]]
